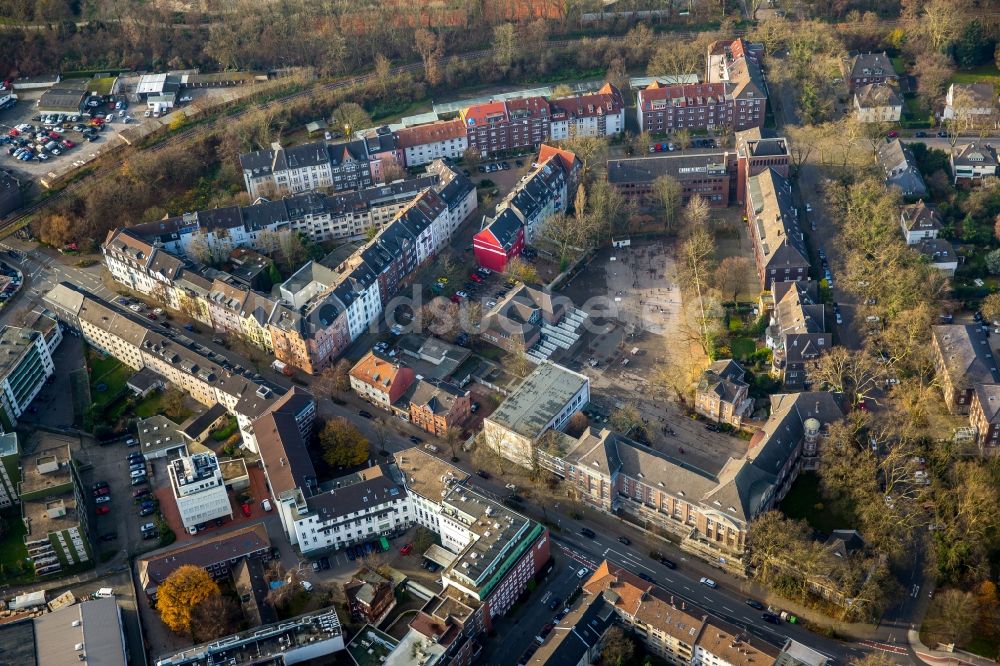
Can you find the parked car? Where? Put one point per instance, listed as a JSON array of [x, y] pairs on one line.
[[415, 439], [139, 480], [102, 510], [483, 474], [406, 550], [98, 492], [364, 414], [109, 536], [245, 508], [102, 499]]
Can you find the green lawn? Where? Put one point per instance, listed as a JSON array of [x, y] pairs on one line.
[[101, 86], [108, 371], [984, 646], [152, 405], [986, 73], [12, 550], [805, 502], [742, 347]]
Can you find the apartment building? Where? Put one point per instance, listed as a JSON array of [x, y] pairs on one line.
[[10, 471], [199, 490], [311, 166], [737, 63], [423, 144], [25, 365], [546, 190], [701, 106], [963, 360], [544, 400], [596, 114], [984, 416], [380, 381], [437, 406], [322, 217], [778, 244], [53, 508], [797, 333], [496, 127], [359, 507], [216, 554]]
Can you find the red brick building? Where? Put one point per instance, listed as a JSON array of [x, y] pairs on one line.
[[496, 127]]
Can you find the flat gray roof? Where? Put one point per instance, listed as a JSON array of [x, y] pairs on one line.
[[99, 633], [539, 399]]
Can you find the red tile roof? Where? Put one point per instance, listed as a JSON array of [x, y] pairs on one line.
[[477, 114], [430, 133], [683, 92]]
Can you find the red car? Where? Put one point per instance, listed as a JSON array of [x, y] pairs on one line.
[[475, 278], [406, 550], [102, 491], [101, 510], [152, 315], [893, 134], [54, 136], [245, 508], [455, 298], [13, 132], [67, 143]]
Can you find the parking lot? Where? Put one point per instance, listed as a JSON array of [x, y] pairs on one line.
[[79, 149]]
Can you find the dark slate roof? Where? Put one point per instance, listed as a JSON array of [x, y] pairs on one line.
[[357, 492], [871, 64], [504, 228], [456, 190], [198, 423], [648, 169], [220, 218]]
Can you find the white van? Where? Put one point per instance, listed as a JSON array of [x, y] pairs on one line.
[[265, 504], [104, 593]]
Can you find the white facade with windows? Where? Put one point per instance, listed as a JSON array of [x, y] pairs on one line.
[[199, 489]]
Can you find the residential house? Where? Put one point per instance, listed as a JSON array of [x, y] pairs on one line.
[[779, 246], [900, 169], [919, 222], [970, 104], [380, 381], [940, 254], [437, 406], [370, 596], [973, 162], [722, 395], [963, 360], [877, 103], [868, 68], [159, 437], [544, 400], [797, 333]]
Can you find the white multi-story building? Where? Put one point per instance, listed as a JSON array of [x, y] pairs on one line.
[[10, 474], [25, 364], [598, 114], [423, 144], [545, 399], [199, 490], [362, 507]]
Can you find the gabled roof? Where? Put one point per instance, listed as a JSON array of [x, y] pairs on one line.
[[776, 221], [420, 135], [877, 95], [975, 154], [988, 396], [920, 217], [683, 95], [479, 115], [978, 95], [866, 65], [900, 167], [724, 378], [502, 231], [376, 372]]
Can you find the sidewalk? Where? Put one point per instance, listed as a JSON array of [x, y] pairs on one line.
[[935, 657], [698, 567]]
